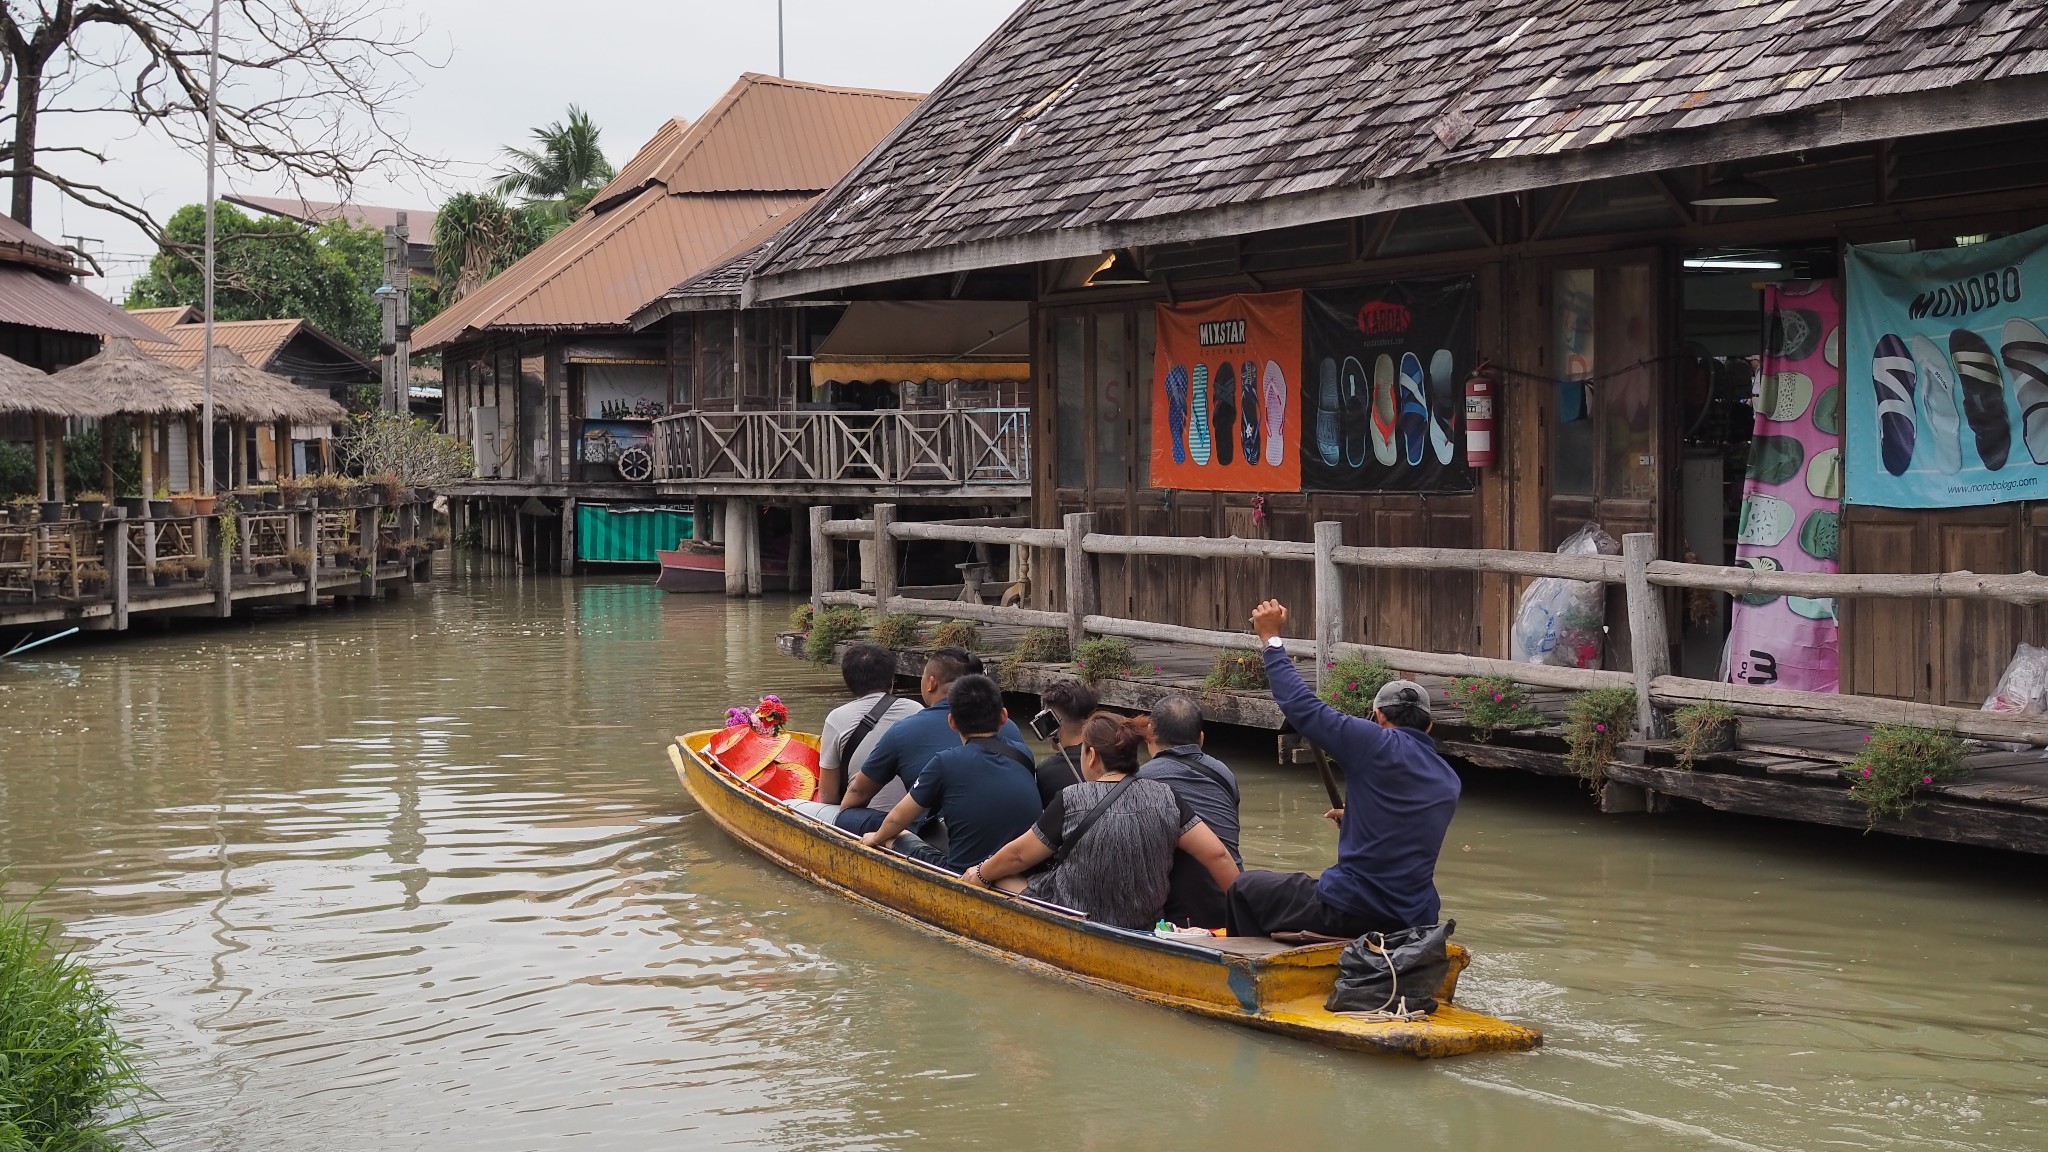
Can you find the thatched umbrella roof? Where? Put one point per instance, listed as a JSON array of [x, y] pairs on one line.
[[124, 380], [29, 390], [260, 395]]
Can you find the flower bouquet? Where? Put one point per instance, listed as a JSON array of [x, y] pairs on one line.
[[757, 748]]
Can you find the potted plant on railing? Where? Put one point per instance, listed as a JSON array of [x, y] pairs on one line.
[[162, 572], [92, 506], [394, 490], [21, 510], [136, 506], [182, 504], [160, 503], [300, 559], [291, 492], [198, 569], [53, 511]]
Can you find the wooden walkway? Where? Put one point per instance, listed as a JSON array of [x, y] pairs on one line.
[[1782, 769]]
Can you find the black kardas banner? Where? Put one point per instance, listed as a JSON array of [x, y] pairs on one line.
[[1383, 388]]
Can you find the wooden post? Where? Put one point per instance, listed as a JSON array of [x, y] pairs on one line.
[[885, 558], [108, 426], [752, 510], [145, 443], [1329, 597], [366, 539], [223, 580], [821, 557], [114, 556], [1649, 642], [309, 539], [195, 460], [568, 567], [57, 467], [42, 457], [1080, 577], [795, 566]]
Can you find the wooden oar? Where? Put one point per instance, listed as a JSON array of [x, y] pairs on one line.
[[1329, 776]]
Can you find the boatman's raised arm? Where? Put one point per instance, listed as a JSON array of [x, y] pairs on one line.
[[1342, 736]]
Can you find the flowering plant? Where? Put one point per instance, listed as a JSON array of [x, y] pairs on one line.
[[1491, 703], [1896, 762], [768, 717]]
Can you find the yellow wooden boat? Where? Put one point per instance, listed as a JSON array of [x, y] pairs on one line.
[[1249, 980]]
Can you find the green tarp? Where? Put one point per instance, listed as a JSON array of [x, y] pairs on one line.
[[627, 535]]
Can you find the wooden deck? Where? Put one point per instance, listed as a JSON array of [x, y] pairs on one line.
[[1782, 769]]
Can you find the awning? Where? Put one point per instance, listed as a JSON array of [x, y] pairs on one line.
[[927, 340], [34, 300]]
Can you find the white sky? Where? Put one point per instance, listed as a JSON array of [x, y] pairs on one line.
[[512, 65]]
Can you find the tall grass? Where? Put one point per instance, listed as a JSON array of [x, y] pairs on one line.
[[67, 1079]]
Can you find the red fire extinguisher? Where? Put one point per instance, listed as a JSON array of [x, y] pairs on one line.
[[1479, 392]]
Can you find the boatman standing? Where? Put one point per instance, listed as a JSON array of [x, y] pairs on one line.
[[1399, 794]]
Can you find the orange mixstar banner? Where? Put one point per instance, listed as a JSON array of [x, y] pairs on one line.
[[1225, 382]]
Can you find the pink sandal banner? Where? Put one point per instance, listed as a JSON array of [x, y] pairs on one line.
[[1791, 503]]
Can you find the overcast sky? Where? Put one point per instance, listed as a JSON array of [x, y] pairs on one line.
[[512, 65]]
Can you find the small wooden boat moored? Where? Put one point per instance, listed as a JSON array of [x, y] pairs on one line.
[[1250, 980], [695, 566]]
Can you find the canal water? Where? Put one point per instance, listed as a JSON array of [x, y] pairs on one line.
[[418, 875]]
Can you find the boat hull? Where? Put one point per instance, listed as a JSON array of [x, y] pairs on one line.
[[1253, 983], [701, 568]]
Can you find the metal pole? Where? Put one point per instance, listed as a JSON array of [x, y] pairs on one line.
[[206, 339], [387, 300], [401, 400], [779, 70]]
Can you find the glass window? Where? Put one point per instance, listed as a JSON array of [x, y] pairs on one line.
[[1112, 401], [714, 356], [1070, 385], [1142, 373], [1571, 421]]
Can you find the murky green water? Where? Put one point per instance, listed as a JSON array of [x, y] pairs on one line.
[[418, 876]]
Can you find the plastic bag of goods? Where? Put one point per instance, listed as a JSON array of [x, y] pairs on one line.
[[1564, 622], [2023, 688]]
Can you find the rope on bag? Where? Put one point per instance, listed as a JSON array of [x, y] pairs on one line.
[[1396, 1007]]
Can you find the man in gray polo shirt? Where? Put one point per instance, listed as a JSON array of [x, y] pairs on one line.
[[1209, 788]]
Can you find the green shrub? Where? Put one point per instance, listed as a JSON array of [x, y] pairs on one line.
[[800, 618], [67, 1078], [956, 634], [1491, 703], [1350, 684], [831, 626], [1703, 727], [1104, 657], [1595, 724], [1042, 646], [1896, 762], [1236, 669], [898, 630]]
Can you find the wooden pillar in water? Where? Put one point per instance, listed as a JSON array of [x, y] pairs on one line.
[[753, 552], [1329, 597], [794, 572], [223, 578], [742, 548], [309, 537], [700, 520], [114, 557], [1649, 642], [366, 539], [568, 561], [821, 557]]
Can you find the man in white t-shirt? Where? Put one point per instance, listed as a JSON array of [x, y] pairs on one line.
[[853, 729]]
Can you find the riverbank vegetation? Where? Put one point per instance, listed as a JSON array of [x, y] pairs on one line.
[[68, 1081]]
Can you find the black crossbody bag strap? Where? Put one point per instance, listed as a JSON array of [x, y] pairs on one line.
[[1068, 841], [1205, 770], [851, 743], [998, 744]]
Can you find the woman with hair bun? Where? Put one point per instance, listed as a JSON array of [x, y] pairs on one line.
[[1109, 839]]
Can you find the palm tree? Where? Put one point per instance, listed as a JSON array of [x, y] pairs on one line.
[[478, 235], [564, 171]]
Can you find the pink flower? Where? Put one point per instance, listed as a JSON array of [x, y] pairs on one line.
[[1353, 685], [1599, 727], [1496, 697], [1927, 779], [1866, 773], [1866, 738]]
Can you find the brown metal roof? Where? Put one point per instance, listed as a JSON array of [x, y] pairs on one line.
[[1081, 126], [37, 300], [419, 224], [165, 319], [682, 204], [259, 342], [718, 286]]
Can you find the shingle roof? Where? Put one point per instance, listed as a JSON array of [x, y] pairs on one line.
[[680, 205], [1109, 115]]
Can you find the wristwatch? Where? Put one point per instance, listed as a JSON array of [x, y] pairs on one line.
[[1276, 642]]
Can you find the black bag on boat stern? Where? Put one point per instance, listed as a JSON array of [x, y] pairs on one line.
[[1378, 971]]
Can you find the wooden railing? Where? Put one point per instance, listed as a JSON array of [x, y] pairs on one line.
[[954, 447], [1637, 570]]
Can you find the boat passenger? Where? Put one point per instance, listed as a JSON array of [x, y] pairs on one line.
[[981, 787], [1070, 702], [1206, 785], [1400, 796], [901, 754], [855, 728], [1111, 838]]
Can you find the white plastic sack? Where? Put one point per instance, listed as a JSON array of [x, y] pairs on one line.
[[1564, 622], [2023, 687]]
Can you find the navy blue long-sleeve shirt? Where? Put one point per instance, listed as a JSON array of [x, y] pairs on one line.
[[1399, 797]]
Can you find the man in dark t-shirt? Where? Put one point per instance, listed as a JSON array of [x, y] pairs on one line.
[[1071, 703], [982, 788], [1206, 785]]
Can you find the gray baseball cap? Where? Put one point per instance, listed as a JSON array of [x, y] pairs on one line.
[[1402, 692]]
